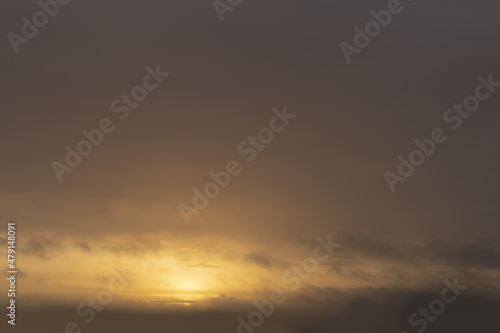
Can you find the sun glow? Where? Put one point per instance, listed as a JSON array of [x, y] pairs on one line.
[[190, 284]]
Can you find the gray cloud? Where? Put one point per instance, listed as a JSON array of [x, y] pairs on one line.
[[264, 260], [40, 247], [480, 254], [85, 247], [321, 310]]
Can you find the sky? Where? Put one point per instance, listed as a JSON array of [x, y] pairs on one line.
[[128, 213]]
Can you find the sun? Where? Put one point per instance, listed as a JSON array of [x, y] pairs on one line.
[[189, 284]]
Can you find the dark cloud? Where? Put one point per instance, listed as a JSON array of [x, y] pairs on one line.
[[85, 247], [317, 310], [203, 264], [264, 260], [369, 247], [483, 254], [40, 247], [480, 254]]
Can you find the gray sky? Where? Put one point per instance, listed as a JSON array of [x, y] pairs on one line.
[[324, 174]]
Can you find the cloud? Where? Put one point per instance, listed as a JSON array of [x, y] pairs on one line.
[[359, 243], [40, 247], [85, 247], [480, 254], [321, 310], [264, 260]]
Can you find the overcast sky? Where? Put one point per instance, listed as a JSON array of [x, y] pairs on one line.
[[322, 175]]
